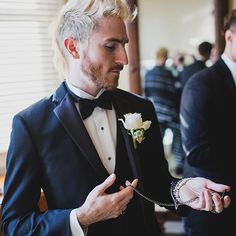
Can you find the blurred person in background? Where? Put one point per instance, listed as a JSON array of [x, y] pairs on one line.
[[178, 64], [160, 87], [204, 50]]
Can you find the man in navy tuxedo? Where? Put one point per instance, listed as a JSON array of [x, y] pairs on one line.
[[208, 127], [74, 147]]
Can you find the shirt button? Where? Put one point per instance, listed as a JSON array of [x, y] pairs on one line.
[[102, 128], [109, 158]]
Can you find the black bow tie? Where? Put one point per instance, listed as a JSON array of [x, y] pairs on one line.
[[87, 106]]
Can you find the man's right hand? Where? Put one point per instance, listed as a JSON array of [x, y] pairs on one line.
[[100, 206]]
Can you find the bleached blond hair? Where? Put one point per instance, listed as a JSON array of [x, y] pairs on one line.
[[77, 19]]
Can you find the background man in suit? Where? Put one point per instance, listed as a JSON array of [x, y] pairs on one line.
[[208, 115], [71, 151], [159, 86], [204, 50]]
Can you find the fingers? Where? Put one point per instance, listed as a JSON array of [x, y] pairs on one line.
[[126, 194], [121, 187], [100, 206], [206, 202], [124, 197], [200, 204], [212, 201], [101, 188], [219, 200], [226, 201], [209, 204], [116, 203], [121, 199], [217, 203], [127, 184], [217, 187], [134, 183]]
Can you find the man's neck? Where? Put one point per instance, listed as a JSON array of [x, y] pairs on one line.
[[81, 92], [84, 84]]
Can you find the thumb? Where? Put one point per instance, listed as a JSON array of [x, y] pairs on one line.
[[101, 188], [217, 187]]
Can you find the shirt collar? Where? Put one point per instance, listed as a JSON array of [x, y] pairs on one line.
[[230, 64], [80, 93]]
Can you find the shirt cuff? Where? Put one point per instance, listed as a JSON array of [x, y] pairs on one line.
[[75, 227]]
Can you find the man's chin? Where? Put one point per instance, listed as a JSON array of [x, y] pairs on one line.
[[110, 88], [113, 86]]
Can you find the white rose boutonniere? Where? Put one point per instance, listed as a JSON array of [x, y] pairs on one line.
[[136, 126]]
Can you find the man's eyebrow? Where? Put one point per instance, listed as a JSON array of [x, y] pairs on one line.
[[117, 40]]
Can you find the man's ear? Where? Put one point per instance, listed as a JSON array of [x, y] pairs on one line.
[[228, 36], [70, 45]]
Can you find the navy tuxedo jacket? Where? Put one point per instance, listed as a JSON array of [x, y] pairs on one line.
[[51, 150], [208, 114]]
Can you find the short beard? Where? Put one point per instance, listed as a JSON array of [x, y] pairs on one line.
[[94, 73]]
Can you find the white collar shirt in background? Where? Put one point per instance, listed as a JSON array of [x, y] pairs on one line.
[[231, 65]]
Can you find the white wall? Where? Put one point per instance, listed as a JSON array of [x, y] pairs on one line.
[[177, 25], [124, 79], [234, 4]]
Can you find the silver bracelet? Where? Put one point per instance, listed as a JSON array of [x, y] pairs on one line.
[[175, 187]]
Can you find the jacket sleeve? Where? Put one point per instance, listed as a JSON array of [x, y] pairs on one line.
[[197, 115], [22, 189]]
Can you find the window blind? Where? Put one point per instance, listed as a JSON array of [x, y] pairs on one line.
[[27, 73]]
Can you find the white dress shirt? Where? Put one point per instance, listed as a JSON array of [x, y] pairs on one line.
[[101, 126], [231, 65]]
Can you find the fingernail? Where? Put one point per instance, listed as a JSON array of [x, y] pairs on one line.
[[127, 183]]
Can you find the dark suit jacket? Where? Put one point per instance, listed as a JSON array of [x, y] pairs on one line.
[[51, 149], [190, 70], [208, 126]]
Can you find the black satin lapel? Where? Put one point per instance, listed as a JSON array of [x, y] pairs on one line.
[[132, 153], [68, 115]]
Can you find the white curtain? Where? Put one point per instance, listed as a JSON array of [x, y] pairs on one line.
[[26, 68]]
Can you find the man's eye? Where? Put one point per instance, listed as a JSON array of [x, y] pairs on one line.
[[110, 47]]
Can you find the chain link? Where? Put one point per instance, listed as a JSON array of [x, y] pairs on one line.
[[161, 203]]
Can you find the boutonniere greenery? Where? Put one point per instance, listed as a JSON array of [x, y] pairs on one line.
[[135, 126]]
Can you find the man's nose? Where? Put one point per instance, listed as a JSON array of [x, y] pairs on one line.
[[122, 57]]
